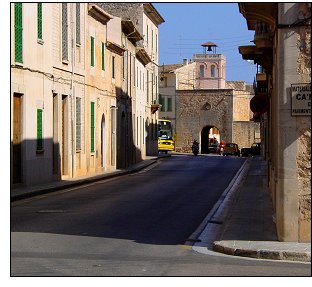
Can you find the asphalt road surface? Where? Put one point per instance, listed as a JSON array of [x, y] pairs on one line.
[[134, 225]]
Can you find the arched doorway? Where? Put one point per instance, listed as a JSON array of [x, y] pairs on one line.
[[209, 135], [103, 158]]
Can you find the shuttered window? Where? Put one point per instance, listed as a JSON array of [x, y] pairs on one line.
[[162, 103], [78, 123], [92, 127], [113, 67], [92, 51], [169, 105], [103, 56], [78, 36], [39, 130], [39, 20], [18, 31], [64, 32], [147, 35]]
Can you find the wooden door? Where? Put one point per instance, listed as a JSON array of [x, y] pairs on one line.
[[17, 139]]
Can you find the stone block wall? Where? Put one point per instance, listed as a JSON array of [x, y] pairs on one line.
[[244, 133], [197, 109]]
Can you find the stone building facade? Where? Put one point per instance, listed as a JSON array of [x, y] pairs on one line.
[[201, 101], [146, 20], [283, 48], [199, 110], [75, 109]]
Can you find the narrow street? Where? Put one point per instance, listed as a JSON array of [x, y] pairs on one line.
[[134, 225]]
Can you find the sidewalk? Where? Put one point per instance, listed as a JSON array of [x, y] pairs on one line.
[[243, 223], [21, 192]]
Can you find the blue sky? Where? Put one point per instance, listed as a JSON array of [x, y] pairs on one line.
[[188, 25]]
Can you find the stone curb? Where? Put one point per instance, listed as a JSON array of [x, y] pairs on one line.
[[261, 253]]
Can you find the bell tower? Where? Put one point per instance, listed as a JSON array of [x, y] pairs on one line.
[[210, 68]]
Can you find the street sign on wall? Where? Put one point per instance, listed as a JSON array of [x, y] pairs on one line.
[[301, 99]]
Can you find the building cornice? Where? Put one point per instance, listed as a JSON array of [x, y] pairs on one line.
[[115, 48], [153, 14], [259, 56], [98, 14], [142, 56], [255, 12], [130, 31]]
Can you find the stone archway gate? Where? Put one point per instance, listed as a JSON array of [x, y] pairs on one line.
[[196, 109]]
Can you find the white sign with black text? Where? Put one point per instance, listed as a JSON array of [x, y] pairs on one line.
[[301, 99]]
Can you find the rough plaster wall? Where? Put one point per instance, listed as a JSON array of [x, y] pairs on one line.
[[304, 139], [241, 106], [304, 55], [304, 177]]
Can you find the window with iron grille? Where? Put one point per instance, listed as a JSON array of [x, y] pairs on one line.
[[18, 31], [78, 37], [39, 20], [78, 123], [64, 32]]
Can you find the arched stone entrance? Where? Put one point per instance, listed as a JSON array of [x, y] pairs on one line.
[[209, 135]]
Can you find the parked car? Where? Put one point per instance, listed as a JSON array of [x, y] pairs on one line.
[[231, 149], [256, 148], [213, 148], [246, 151]]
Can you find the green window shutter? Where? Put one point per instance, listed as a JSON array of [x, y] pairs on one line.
[[92, 126], [103, 56], [18, 28], [92, 51], [39, 19], [169, 105], [39, 130]]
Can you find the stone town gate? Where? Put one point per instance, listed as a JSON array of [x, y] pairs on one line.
[[197, 109]]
